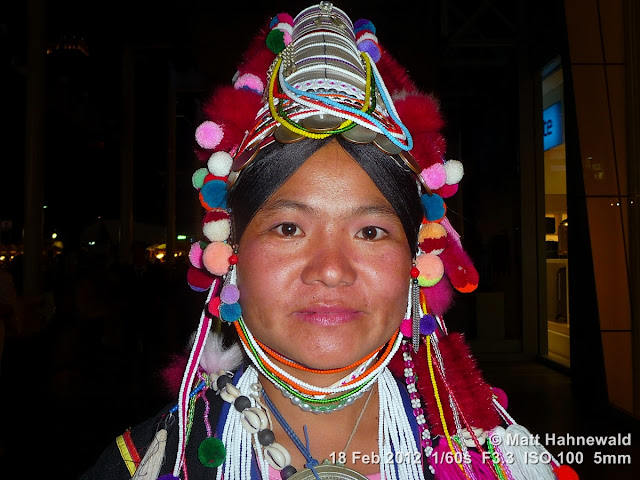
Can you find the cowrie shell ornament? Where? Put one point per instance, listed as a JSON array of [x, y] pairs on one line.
[[277, 456], [254, 419], [229, 393]]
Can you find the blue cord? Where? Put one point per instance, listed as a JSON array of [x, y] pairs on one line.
[[360, 113], [193, 393], [311, 462]]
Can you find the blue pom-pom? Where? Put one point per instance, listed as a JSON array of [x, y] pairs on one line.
[[427, 325], [168, 476], [274, 22], [214, 193], [365, 25], [433, 206], [230, 312]]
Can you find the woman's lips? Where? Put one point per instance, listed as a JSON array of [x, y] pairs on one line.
[[328, 315]]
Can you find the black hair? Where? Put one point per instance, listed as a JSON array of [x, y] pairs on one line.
[[277, 162]]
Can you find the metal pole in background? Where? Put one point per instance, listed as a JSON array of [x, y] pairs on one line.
[[34, 161]]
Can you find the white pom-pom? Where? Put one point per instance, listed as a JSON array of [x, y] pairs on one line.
[[219, 164], [217, 231], [285, 27], [454, 170], [367, 36]]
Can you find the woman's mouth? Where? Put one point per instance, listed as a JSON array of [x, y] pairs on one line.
[[328, 315]]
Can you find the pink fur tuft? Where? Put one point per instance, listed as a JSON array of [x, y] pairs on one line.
[[215, 357], [173, 372], [439, 297]]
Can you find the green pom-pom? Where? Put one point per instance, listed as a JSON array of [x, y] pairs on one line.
[[197, 179], [275, 40], [211, 452]]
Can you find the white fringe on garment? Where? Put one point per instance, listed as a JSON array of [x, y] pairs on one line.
[[237, 440], [396, 440]]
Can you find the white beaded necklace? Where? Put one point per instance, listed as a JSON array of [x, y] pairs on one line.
[[395, 436]]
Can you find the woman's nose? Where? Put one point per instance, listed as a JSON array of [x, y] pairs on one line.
[[330, 263]]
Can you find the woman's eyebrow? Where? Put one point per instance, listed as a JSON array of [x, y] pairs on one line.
[[381, 209], [287, 204]]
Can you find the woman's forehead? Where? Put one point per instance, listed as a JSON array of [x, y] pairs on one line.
[[330, 173]]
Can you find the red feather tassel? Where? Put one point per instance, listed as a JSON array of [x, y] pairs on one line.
[[395, 76]]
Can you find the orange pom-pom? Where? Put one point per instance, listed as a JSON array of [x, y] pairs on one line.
[[565, 472], [215, 258], [431, 269]]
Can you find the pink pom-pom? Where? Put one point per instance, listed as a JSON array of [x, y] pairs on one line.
[[501, 397], [214, 306], [215, 258], [249, 81], [209, 134], [447, 191], [195, 255], [434, 176], [431, 269], [286, 18], [406, 327], [287, 38]]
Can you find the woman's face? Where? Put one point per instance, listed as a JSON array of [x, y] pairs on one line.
[[323, 267]]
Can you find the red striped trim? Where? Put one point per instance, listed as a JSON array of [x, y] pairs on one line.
[[135, 456]]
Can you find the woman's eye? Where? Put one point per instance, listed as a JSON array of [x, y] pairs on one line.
[[288, 229], [371, 233]]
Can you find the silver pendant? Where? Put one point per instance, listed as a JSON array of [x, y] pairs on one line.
[[328, 472]]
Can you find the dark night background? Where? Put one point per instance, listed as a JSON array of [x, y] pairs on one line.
[[71, 387]]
